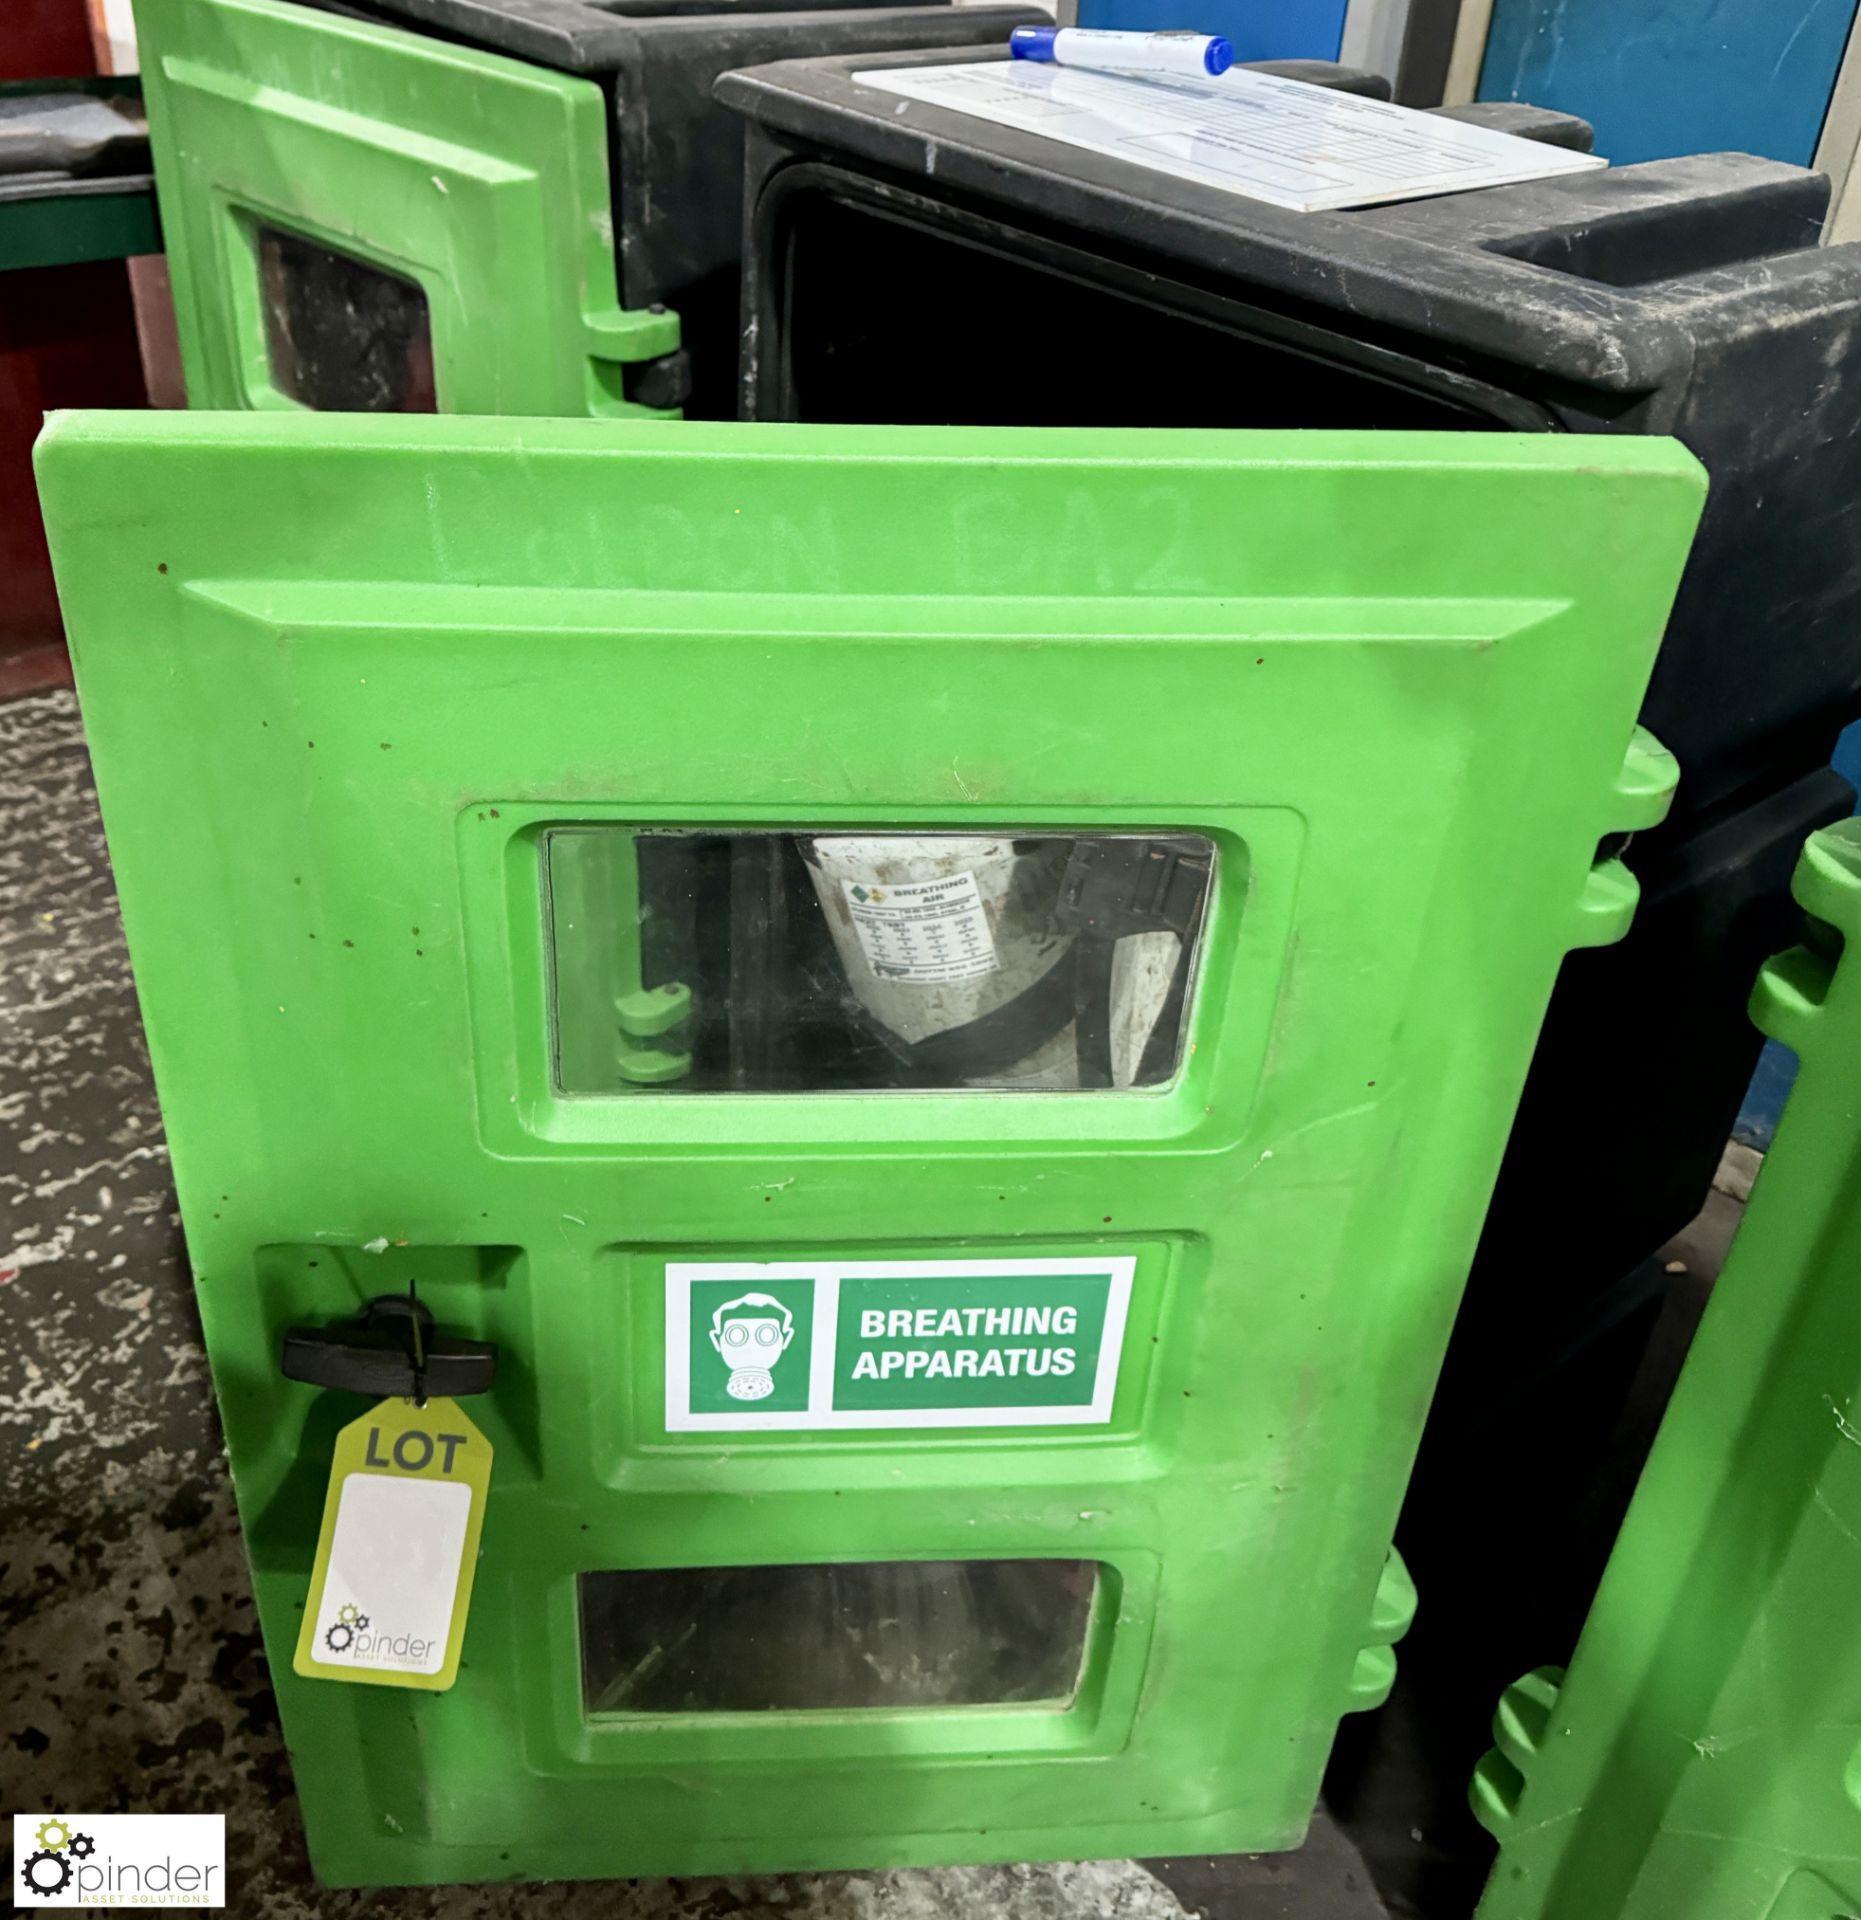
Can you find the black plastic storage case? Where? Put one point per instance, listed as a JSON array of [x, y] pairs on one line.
[[904, 262], [676, 155]]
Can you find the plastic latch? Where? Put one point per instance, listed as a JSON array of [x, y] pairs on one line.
[[1793, 988], [1373, 1679], [1523, 1714], [1642, 792], [1392, 1613], [632, 333], [1606, 907], [1788, 999], [636, 366], [1644, 788], [652, 1066], [653, 1010], [1494, 1792], [1519, 1727], [645, 1015], [663, 384], [390, 1348]]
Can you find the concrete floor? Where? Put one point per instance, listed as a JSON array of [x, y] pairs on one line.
[[134, 1677]]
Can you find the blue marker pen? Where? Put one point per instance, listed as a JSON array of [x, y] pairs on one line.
[[1191, 55]]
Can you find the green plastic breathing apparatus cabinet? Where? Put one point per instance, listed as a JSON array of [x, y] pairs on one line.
[[474, 206], [930, 1014], [357, 219], [1703, 1758]]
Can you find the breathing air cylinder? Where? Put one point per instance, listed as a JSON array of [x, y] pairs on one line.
[[1043, 962]]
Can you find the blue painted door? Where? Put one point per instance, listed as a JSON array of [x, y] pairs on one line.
[[1260, 29], [1664, 77], [1770, 1085]]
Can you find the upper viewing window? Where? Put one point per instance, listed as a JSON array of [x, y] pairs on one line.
[[343, 336], [814, 963]]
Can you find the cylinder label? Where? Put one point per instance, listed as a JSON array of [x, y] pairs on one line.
[[922, 930]]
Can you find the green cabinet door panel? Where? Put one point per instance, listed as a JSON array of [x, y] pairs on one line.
[[343, 676]]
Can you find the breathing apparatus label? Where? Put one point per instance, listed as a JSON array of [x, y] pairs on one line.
[[393, 1575], [894, 1343], [922, 931]]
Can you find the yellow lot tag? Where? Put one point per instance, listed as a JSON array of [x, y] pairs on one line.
[[399, 1544]]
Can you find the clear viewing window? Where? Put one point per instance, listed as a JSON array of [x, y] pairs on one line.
[[342, 335], [791, 962], [931, 1633]]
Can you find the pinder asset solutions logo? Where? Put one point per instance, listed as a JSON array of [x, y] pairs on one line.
[[120, 1860], [354, 1637]]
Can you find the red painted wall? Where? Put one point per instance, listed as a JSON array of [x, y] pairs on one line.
[[45, 40], [67, 339]]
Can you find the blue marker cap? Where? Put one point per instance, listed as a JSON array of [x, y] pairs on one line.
[[1034, 43], [1217, 56]]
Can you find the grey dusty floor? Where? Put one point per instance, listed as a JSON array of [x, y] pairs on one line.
[[133, 1677]]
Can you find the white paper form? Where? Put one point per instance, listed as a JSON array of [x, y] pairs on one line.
[[1294, 145]]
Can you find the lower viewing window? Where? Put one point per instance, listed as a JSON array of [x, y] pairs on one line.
[[930, 1633], [821, 962]]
